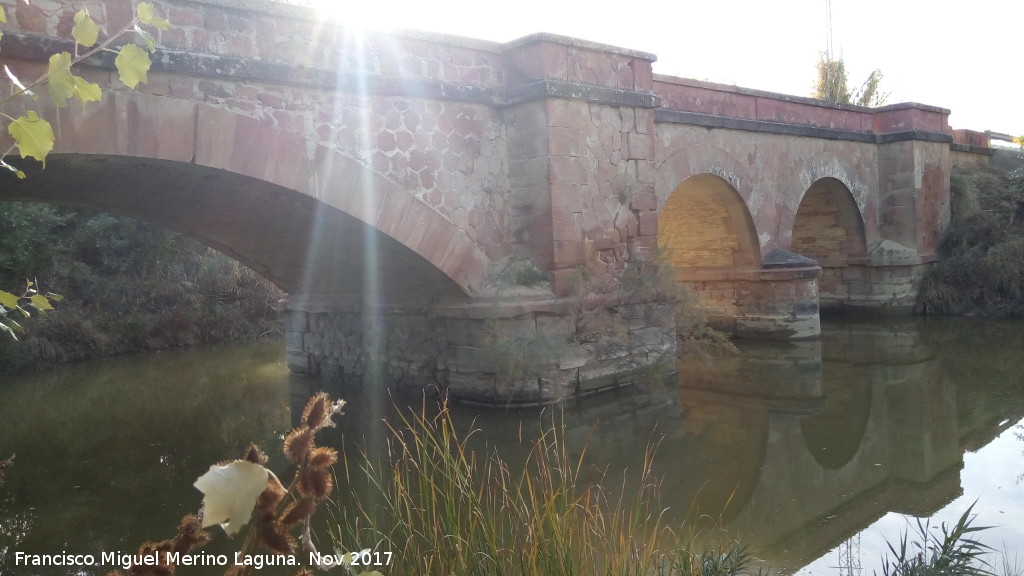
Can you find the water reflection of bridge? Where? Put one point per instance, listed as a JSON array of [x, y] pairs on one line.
[[799, 446]]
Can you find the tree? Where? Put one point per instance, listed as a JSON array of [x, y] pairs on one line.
[[831, 85], [33, 135]]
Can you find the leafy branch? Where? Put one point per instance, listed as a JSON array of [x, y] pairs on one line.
[[33, 135], [30, 299]]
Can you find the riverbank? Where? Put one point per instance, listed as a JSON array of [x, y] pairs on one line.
[[128, 287], [981, 267]]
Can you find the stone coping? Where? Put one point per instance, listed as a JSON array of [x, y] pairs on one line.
[[733, 89], [578, 43], [910, 105], [806, 130], [983, 150]]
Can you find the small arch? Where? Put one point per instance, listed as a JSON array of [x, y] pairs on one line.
[[705, 224], [828, 226]]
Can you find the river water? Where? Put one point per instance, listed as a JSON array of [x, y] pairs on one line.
[[814, 453]]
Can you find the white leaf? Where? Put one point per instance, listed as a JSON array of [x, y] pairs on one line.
[[230, 493]]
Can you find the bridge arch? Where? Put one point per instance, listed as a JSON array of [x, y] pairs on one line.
[[705, 226], [829, 228], [309, 218]]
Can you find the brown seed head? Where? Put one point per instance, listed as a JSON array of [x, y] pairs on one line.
[[297, 445], [149, 549], [255, 455], [271, 496], [297, 511], [276, 538], [317, 412], [315, 483], [190, 534], [323, 457]]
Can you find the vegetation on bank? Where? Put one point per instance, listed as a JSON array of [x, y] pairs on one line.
[[981, 259], [129, 287]]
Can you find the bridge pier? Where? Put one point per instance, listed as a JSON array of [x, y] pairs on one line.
[[776, 302], [521, 350]]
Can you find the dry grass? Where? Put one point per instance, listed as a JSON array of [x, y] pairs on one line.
[[444, 508]]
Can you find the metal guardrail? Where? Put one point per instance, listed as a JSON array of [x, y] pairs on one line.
[[998, 136]]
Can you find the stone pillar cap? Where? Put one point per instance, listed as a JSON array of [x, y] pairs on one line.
[[779, 258]]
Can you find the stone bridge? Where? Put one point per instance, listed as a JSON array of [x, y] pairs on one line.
[[429, 202]]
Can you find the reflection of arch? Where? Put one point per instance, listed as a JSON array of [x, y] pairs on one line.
[[719, 459], [828, 226], [833, 437], [705, 224]]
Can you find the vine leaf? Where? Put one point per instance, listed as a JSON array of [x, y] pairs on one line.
[[3, 19], [87, 91], [145, 11], [147, 38], [33, 136], [8, 300], [132, 65], [61, 82], [85, 31], [230, 493], [10, 331], [41, 302]]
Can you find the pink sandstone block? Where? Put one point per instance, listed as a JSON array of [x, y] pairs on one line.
[[648, 223]]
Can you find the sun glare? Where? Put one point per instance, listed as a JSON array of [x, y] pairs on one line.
[[365, 15]]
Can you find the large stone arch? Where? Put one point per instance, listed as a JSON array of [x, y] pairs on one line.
[[829, 228], [704, 226], [302, 214]]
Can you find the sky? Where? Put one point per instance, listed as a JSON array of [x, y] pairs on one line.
[[964, 56]]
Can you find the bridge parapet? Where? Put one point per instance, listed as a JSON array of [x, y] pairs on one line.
[[841, 121]]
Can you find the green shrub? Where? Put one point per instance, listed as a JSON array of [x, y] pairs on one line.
[[981, 265], [130, 287]]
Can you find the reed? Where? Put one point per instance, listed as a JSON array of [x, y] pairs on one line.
[[950, 551], [442, 507]]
